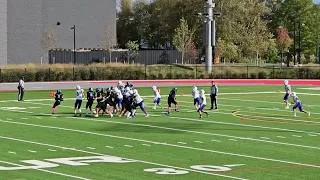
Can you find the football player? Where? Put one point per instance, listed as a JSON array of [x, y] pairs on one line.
[[118, 99], [139, 102], [128, 84], [91, 96], [202, 104], [78, 103], [172, 100], [157, 97], [128, 102], [121, 86], [298, 105], [196, 97], [287, 89], [102, 105], [58, 98]]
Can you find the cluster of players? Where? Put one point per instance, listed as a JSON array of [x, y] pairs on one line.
[[123, 98], [297, 103]]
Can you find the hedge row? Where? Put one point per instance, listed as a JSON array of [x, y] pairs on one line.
[[141, 73]]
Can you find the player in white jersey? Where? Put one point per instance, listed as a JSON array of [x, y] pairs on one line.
[[298, 104], [139, 102], [202, 104], [287, 89], [118, 99], [157, 97], [121, 86], [79, 97], [196, 97]]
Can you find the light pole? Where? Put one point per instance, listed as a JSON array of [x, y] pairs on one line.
[[74, 44]]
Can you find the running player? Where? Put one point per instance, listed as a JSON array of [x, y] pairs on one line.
[[202, 104], [91, 96], [287, 88], [298, 104], [172, 100], [58, 99], [196, 97], [79, 97], [157, 97]]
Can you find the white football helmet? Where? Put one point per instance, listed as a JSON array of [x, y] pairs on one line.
[[286, 82], [127, 89], [195, 88], [120, 82], [293, 94], [202, 92], [78, 87], [154, 87], [135, 91]]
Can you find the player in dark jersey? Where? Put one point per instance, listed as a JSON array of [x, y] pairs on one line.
[[128, 103], [58, 99], [102, 105], [99, 94], [91, 96], [172, 100]]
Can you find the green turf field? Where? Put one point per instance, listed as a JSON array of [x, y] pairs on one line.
[[251, 136]]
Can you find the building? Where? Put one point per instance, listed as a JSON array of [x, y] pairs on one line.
[[30, 27]]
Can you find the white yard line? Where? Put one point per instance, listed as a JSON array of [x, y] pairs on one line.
[[94, 153], [197, 132], [47, 171], [162, 144]]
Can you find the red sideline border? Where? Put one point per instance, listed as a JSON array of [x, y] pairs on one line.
[[205, 82]]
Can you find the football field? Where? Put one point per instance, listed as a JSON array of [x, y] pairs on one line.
[[251, 136]]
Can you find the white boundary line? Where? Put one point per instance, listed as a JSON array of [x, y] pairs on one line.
[[94, 153], [51, 172], [160, 143], [181, 130]]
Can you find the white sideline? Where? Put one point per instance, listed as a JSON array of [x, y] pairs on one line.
[[160, 143], [51, 172], [94, 153], [181, 130]]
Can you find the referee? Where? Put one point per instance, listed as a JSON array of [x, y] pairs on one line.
[[21, 89], [213, 95]]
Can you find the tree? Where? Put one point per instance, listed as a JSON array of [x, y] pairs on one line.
[[48, 40], [283, 39], [132, 47], [183, 37], [109, 41]]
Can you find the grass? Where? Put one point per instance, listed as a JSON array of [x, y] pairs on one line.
[[251, 136]]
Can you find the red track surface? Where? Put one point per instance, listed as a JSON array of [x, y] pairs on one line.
[[206, 82]]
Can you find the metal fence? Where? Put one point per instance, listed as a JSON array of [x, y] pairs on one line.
[[87, 56]]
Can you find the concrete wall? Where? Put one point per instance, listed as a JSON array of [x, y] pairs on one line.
[[3, 32], [29, 20]]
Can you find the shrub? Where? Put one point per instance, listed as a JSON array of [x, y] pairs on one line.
[[253, 75], [262, 75]]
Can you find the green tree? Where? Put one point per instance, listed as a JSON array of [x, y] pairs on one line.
[[133, 48], [183, 37]]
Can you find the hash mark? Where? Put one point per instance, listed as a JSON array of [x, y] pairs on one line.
[[12, 152], [109, 147], [297, 136], [128, 146], [198, 142], [312, 135], [91, 148], [32, 151], [281, 137], [24, 118], [52, 150], [9, 119]]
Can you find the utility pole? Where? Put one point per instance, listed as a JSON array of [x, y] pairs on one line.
[[74, 44], [209, 38]]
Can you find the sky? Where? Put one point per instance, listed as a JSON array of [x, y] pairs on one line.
[[316, 1]]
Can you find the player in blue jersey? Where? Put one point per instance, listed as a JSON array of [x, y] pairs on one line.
[[287, 89], [298, 105], [58, 99], [157, 98]]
